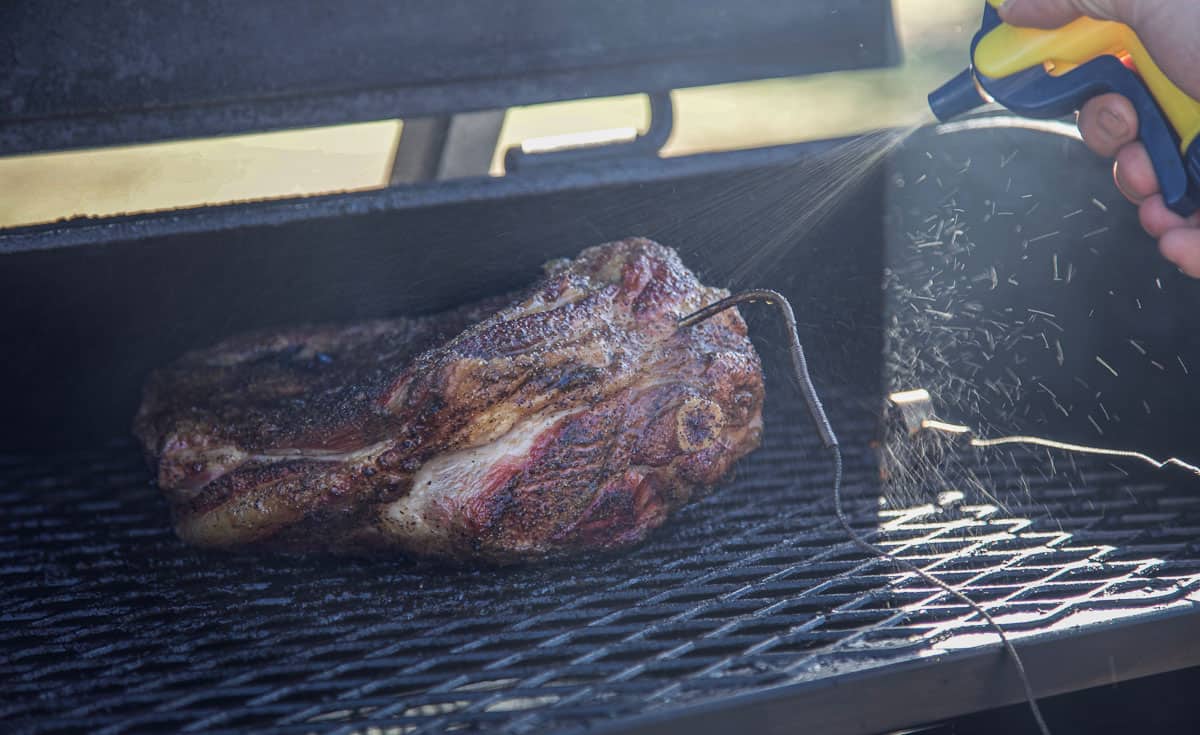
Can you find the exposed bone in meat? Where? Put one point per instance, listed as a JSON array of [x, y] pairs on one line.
[[572, 416]]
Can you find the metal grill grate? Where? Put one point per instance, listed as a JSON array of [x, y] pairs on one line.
[[112, 626]]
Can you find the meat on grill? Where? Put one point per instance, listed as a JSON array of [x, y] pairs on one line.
[[573, 416]]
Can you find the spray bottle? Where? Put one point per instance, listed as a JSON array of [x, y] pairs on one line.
[[1052, 73]]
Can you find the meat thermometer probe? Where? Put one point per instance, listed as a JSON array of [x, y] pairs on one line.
[[1052, 73]]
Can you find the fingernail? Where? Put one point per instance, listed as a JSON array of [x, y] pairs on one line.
[[1111, 123]]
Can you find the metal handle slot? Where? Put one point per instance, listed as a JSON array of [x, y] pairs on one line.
[[647, 144]]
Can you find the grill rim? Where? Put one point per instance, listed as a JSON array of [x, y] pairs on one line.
[[85, 232], [973, 680]]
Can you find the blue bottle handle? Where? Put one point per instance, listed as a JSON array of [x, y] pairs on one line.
[[1036, 93]]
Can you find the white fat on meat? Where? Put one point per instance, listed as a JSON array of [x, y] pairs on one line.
[[443, 483]]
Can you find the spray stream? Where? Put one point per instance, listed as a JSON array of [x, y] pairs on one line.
[[827, 180]]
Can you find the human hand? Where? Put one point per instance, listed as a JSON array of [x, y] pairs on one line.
[[1170, 29]]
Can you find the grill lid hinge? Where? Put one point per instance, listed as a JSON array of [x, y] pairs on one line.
[[445, 147]]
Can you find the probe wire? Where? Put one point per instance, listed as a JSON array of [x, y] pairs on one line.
[[829, 439]]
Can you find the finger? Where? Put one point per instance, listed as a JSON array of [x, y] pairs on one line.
[[1134, 173], [1056, 13], [1182, 247], [1107, 123], [1158, 220]]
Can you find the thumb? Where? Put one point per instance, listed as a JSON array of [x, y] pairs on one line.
[[1057, 13]]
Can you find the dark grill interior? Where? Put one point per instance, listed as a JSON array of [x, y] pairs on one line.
[[113, 626], [751, 599]]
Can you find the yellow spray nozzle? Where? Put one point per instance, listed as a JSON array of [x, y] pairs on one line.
[[1051, 73], [1007, 50]]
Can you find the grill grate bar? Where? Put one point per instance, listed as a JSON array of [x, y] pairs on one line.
[[113, 626]]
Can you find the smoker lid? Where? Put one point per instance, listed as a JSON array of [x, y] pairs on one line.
[[76, 74]]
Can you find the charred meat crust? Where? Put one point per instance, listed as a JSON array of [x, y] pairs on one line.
[[571, 417]]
